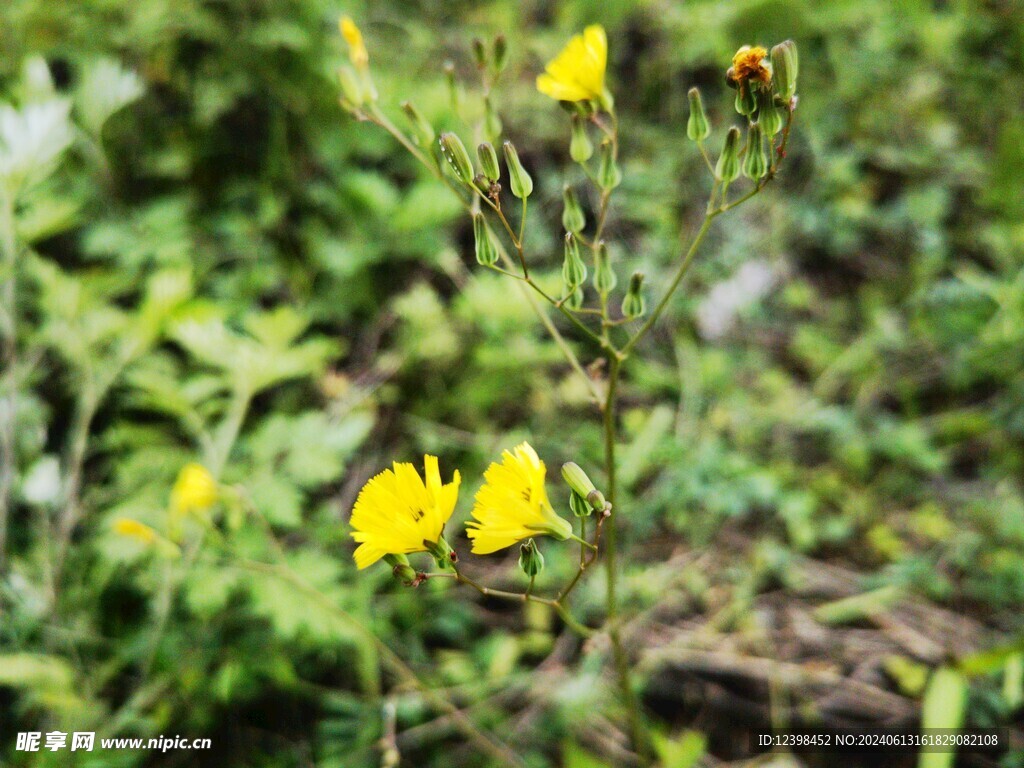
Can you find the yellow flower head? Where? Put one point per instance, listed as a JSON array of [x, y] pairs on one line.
[[133, 529], [577, 73], [357, 52], [513, 505], [194, 490], [749, 64], [397, 513]]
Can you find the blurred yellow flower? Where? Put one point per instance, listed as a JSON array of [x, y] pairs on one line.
[[135, 530], [357, 52], [513, 505], [397, 513], [577, 73], [749, 64], [194, 490]]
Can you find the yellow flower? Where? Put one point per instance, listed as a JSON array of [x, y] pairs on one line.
[[133, 529], [513, 505], [194, 490], [397, 513], [749, 64], [357, 52], [577, 73]]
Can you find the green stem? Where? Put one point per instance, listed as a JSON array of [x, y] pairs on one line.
[[522, 597], [74, 465], [684, 266], [522, 224], [572, 318], [583, 542], [8, 355], [619, 657], [381, 120], [227, 433]]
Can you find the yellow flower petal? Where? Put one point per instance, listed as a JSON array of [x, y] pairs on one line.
[[397, 513], [194, 490], [577, 73], [357, 52], [513, 504], [133, 529]]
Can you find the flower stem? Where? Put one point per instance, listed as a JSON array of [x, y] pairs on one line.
[[584, 542], [619, 657], [522, 597], [8, 354]]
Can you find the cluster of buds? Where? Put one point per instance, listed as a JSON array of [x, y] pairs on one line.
[[488, 179], [765, 85]]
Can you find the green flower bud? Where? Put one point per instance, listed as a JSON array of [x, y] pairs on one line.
[[572, 214], [500, 53], [350, 87], [608, 174], [492, 123], [400, 567], [604, 276], [728, 167], [580, 147], [369, 89], [486, 252], [575, 299], [746, 99], [633, 304], [454, 90], [479, 53], [769, 114], [574, 271], [489, 161], [755, 163], [422, 129], [579, 480], [519, 180], [530, 558], [785, 64], [579, 506], [697, 127], [455, 153]]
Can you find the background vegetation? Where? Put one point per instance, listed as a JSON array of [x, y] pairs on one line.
[[215, 263]]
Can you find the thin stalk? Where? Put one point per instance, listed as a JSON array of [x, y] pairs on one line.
[[572, 318], [522, 597], [227, 433], [585, 562], [612, 608], [522, 224], [75, 463], [9, 355], [684, 267], [583, 536], [707, 159]]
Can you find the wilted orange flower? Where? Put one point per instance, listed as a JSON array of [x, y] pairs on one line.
[[749, 64]]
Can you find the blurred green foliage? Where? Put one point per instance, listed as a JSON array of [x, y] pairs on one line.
[[219, 265]]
